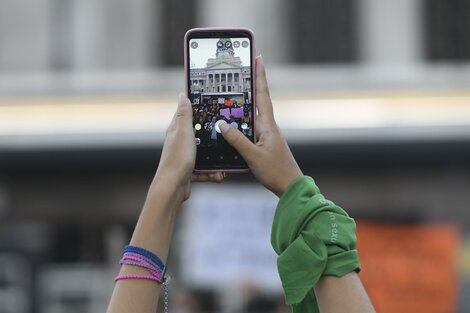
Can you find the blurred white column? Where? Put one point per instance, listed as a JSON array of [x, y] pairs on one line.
[[89, 34], [390, 32], [265, 17], [130, 33], [24, 35]]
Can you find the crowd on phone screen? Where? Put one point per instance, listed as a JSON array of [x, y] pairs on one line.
[[207, 115]]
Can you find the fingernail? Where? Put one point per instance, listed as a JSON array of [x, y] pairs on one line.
[[259, 60], [224, 126]]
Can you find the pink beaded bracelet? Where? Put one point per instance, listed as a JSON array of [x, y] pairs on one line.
[[136, 256], [140, 257], [138, 276]]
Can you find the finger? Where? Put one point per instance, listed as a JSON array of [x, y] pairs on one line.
[[239, 141], [196, 177], [216, 177], [183, 113], [263, 100], [207, 177], [184, 110]]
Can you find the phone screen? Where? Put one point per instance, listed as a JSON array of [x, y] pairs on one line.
[[220, 86]]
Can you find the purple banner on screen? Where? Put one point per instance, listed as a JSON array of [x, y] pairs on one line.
[[237, 112], [225, 112]]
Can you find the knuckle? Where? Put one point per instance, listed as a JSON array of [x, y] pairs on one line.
[[182, 113]]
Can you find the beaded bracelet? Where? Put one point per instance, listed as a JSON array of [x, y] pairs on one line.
[[140, 257], [136, 261], [145, 253], [136, 256], [129, 255]]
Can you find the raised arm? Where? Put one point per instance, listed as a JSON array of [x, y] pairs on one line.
[[314, 238], [169, 188], [342, 294]]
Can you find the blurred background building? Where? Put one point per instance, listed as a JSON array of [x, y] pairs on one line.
[[372, 95]]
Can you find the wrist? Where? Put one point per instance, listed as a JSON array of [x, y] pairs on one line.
[[167, 189], [287, 181]]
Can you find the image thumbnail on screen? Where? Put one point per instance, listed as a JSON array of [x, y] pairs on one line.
[[220, 87]]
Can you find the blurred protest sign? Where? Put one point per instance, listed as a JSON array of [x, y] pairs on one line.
[[226, 237], [409, 268]]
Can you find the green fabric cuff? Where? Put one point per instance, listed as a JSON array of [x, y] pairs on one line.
[[313, 237], [343, 263], [298, 277]]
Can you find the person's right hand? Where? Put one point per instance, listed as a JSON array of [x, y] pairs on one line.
[[270, 159]]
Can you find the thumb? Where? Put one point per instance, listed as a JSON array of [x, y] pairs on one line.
[[183, 114], [184, 107], [242, 144]]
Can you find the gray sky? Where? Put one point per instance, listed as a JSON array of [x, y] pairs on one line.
[[207, 47]]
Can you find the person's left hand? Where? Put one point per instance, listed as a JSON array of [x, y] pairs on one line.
[[179, 153]]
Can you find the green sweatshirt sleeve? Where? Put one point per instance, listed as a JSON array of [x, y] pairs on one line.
[[313, 237]]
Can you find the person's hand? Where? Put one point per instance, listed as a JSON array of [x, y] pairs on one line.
[[179, 153], [270, 159]]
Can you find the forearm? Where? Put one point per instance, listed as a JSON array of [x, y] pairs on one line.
[[342, 294], [155, 225], [152, 232], [316, 243]]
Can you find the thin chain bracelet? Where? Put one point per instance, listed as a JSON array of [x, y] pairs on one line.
[[166, 301]]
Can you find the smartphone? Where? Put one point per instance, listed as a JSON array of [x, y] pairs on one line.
[[219, 70]]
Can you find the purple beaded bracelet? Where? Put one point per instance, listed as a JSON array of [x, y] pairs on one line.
[[136, 256]]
